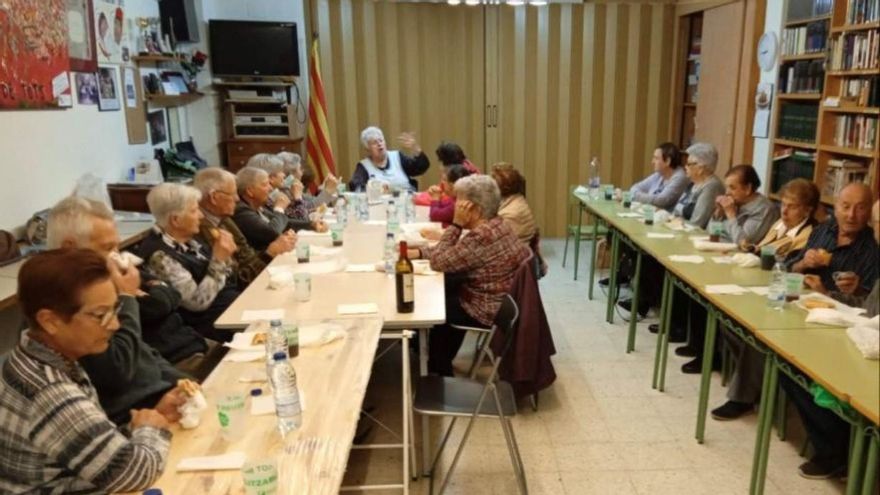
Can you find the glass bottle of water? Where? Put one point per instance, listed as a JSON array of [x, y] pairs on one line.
[[776, 291], [595, 179], [390, 257], [288, 407], [392, 217], [341, 212]]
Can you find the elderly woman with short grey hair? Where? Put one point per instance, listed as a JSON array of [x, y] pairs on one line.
[[296, 170], [392, 167], [486, 259], [698, 201], [200, 272]]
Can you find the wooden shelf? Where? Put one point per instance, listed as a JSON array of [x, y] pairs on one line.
[[862, 110], [173, 100], [855, 27], [256, 100], [799, 96], [803, 56], [155, 58], [808, 20], [795, 144], [688, 104], [853, 72], [849, 151], [261, 124], [253, 84]]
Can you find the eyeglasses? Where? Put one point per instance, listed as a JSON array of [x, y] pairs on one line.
[[104, 318], [691, 164]]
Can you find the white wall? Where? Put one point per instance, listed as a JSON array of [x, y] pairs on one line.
[[763, 149]]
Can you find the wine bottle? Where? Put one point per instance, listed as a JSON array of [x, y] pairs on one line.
[[403, 278]]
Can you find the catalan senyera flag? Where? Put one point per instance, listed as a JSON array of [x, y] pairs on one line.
[[318, 149]]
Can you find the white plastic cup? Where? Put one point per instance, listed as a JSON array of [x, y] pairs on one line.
[[302, 286], [260, 477], [231, 414]]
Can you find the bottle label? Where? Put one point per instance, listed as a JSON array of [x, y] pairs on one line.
[[408, 288]]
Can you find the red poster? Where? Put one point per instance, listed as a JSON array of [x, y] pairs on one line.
[[33, 54]]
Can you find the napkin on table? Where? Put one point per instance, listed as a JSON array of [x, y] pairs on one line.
[[223, 462], [687, 258]]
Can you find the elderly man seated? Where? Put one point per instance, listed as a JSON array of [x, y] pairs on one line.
[[849, 239], [259, 224], [219, 197], [54, 436], [487, 259], [130, 374], [747, 214], [200, 272]]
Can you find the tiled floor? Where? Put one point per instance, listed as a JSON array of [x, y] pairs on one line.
[[600, 428]]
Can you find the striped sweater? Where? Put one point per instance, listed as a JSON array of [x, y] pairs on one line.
[[55, 438]]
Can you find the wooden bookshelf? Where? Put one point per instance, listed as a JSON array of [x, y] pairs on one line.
[[825, 148], [686, 97], [173, 100]]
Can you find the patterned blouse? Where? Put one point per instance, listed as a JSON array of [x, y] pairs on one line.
[[55, 437], [488, 255]]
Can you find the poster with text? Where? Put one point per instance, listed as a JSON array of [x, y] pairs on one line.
[[34, 56], [111, 37]]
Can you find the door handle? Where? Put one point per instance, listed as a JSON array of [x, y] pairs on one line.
[[495, 116]]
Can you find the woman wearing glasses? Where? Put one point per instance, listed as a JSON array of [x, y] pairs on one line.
[[54, 435]]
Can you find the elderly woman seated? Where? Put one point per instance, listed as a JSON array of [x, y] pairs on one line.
[[286, 194], [312, 196], [201, 273], [746, 213], [259, 224], [486, 260], [696, 204], [514, 208], [55, 436], [395, 169]]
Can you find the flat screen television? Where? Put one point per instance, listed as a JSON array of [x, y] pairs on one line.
[[252, 48]]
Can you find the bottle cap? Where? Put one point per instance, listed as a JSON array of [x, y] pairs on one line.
[[255, 392], [275, 323], [279, 356], [152, 491]]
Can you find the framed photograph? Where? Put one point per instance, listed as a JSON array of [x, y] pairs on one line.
[[81, 36], [86, 88], [108, 89], [176, 81], [158, 127], [111, 37]]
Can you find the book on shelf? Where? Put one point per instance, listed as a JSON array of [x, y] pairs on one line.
[[856, 131], [802, 76], [797, 122], [862, 11], [863, 91], [822, 7], [801, 40], [840, 173], [802, 10], [784, 170], [857, 50]]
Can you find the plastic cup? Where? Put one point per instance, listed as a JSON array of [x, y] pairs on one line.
[[648, 213], [627, 199], [231, 414], [794, 283], [336, 230], [715, 229], [609, 193], [302, 252], [768, 257], [302, 286], [260, 477]]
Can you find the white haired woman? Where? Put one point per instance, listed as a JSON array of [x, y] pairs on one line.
[[486, 259], [312, 195], [697, 203], [201, 273], [286, 193], [389, 166]]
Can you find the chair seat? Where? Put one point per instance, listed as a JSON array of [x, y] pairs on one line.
[[471, 329], [448, 396]]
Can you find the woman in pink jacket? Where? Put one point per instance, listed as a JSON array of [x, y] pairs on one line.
[[443, 195]]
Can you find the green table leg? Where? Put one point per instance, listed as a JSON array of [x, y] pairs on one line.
[[577, 240], [664, 308], [872, 464], [665, 326], [633, 318], [595, 257], [767, 425], [706, 375], [612, 282], [762, 413], [857, 449], [781, 416]]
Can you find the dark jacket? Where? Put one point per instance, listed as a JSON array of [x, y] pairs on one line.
[[527, 366], [249, 262], [259, 230], [163, 326], [412, 166], [129, 374]]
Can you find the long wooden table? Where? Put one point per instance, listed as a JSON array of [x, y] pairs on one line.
[[782, 335], [312, 459]]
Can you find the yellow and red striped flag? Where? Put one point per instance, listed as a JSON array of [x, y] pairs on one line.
[[318, 149]]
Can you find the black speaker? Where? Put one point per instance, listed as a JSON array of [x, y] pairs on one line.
[[181, 14]]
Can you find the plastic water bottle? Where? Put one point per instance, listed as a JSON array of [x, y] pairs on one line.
[[390, 253], [363, 208], [409, 209], [392, 217], [776, 291], [595, 179], [288, 407], [276, 341], [341, 212]]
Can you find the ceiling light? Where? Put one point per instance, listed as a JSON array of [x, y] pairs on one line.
[[453, 2], [515, 3], [472, 2], [537, 3]]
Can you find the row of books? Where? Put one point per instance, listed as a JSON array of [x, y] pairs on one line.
[[805, 39], [803, 76], [861, 11], [856, 132], [797, 122], [840, 173], [790, 164], [865, 91], [856, 50], [800, 9]]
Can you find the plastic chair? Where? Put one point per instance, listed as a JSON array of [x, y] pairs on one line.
[[572, 228], [467, 398]]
